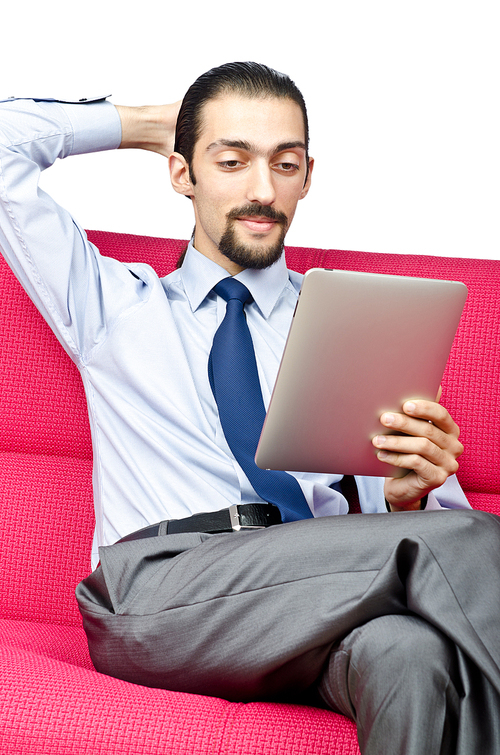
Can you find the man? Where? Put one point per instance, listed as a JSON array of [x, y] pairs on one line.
[[379, 617]]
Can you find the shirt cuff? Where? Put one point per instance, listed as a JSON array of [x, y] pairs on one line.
[[96, 127], [434, 505], [423, 504], [95, 123], [68, 100]]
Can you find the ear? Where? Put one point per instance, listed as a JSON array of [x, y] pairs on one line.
[[179, 174], [307, 184]]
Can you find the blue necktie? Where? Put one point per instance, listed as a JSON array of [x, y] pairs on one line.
[[232, 371]]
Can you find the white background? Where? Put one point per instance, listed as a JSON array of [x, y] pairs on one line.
[[403, 101]]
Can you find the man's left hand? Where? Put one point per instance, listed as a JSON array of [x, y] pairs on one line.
[[429, 449]]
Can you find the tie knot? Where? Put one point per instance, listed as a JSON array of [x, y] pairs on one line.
[[230, 288]]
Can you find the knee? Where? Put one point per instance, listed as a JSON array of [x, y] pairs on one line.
[[400, 648], [392, 658], [474, 520], [461, 531]]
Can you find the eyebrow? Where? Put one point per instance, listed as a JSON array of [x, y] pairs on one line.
[[248, 147]]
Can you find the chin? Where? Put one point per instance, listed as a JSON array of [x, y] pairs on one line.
[[256, 256]]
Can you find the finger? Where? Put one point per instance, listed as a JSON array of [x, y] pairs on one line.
[[426, 474], [421, 411], [400, 445], [416, 428], [419, 437], [432, 412]]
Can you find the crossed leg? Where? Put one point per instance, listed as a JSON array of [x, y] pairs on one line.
[[257, 614]]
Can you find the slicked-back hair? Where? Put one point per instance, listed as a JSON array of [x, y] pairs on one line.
[[248, 79]]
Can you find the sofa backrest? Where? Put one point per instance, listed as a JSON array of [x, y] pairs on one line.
[[46, 518]]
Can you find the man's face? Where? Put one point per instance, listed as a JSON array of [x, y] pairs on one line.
[[250, 170]]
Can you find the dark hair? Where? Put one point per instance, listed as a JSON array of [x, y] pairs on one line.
[[249, 79]]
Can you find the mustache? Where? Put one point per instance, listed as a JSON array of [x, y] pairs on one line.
[[258, 210]]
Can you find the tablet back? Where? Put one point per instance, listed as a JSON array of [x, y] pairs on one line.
[[360, 344]]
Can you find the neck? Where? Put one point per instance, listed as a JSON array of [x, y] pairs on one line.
[[216, 256]]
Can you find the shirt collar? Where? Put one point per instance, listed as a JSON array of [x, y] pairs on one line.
[[200, 274]]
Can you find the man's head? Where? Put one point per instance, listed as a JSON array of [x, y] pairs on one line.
[[241, 154], [252, 80]]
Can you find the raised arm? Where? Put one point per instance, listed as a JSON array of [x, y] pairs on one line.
[[43, 243], [149, 127]]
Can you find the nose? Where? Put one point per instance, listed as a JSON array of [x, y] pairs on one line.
[[260, 184]]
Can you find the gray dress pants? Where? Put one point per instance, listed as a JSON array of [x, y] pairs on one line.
[[392, 619]]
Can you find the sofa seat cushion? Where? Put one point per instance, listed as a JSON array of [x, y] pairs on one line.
[[52, 641], [54, 703]]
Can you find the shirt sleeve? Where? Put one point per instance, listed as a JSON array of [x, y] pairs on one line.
[[46, 248], [372, 501]]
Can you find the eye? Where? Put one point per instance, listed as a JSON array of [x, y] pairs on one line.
[[229, 164], [287, 167]]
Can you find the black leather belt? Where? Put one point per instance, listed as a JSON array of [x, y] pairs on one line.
[[246, 516]]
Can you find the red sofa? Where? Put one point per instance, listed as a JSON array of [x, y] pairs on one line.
[[52, 701]]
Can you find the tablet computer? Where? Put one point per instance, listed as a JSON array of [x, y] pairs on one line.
[[360, 344]]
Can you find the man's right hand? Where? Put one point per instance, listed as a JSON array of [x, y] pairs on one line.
[[149, 127]]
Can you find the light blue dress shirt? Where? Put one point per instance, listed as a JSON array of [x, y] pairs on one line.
[[141, 343]]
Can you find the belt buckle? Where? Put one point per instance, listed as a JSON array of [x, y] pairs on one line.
[[234, 518]]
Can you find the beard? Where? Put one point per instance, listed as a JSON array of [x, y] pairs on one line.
[[254, 256]]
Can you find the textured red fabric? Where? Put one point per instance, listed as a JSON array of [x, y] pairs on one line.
[[56, 641], [43, 405], [46, 532], [52, 701]]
